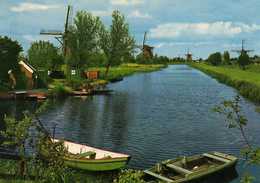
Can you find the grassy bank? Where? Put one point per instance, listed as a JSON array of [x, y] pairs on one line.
[[126, 70], [9, 168], [247, 82]]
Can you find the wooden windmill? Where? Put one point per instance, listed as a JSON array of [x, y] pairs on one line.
[[188, 56], [62, 36], [146, 49], [243, 50]]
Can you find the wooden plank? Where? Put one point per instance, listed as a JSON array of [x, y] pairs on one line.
[[179, 169], [216, 158], [20, 92], [158, 176]]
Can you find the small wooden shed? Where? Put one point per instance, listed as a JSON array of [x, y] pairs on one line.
[[29, 72], [92, 75]]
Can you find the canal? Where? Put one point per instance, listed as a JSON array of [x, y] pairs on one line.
[[152, 116]]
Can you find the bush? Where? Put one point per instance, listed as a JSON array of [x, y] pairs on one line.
[[76, 82], [130, 176], [215, 59], [60, 90]]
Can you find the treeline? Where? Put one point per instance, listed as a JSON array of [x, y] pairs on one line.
[[89, 43], [242, 61]]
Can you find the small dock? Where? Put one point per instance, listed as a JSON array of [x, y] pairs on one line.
[[24, 95]]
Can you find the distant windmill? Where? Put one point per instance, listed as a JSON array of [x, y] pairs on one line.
[[243, 50], [146, 49], [188, 56], [62, 36]]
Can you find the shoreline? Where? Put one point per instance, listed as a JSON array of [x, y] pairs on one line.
[[116, 74], [246, 82]]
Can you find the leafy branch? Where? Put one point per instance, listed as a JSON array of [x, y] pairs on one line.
[[235, 118]]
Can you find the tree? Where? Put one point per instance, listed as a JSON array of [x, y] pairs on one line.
[[226, 58], [243, 60], [9, 53], [116, 42], [44, 55], [83, 39], [215, 59], [232, 111]]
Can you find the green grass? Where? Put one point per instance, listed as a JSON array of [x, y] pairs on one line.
[[8, 170], [126, 70], [247, 82]]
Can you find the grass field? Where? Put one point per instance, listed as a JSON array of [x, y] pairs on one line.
[[247, 82], [126, 70]]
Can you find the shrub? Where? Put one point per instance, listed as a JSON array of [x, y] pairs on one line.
[[127, 176], [60, 90], [215, 59], [76, 82]]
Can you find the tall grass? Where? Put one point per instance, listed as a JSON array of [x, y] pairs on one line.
[[247, 82]]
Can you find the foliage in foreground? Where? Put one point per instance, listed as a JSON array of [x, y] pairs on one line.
[[46, 164], [235, 118], [130, 176]]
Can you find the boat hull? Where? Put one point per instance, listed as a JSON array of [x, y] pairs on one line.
[[97, 165], [182, 175]]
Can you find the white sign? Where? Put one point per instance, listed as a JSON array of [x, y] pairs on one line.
[[73, 72]]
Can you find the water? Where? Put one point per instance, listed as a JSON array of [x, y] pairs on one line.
[[152, 117]]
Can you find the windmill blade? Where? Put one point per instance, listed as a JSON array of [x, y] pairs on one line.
[[144, 40], [70, 17], [51, 32], [67, 19], [237, 51], [139, 47], [249, 50]]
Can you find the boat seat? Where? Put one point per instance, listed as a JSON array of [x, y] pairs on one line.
[[216, 158], [179, 169], [89, 154], [158, 176]]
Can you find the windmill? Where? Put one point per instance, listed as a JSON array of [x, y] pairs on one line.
[[188, 55], [146, 49], [62, 36], [243, 50]]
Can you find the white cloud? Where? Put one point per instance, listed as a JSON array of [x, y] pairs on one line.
[[173, 30], [185, 44], [102, 13], [126, 2], [138, 14], [29, 7]]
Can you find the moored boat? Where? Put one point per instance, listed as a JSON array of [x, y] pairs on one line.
[[191, 168], [93, 159]]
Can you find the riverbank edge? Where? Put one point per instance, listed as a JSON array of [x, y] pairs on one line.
[[247, 89], [115, 74], [125, 70]]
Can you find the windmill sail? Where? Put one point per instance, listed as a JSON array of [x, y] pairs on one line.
[[243, 50], [61, 36]]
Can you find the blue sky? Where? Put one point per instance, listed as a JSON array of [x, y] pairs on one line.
[[174, 26]]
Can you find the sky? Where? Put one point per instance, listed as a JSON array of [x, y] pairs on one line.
[[173, 26]]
